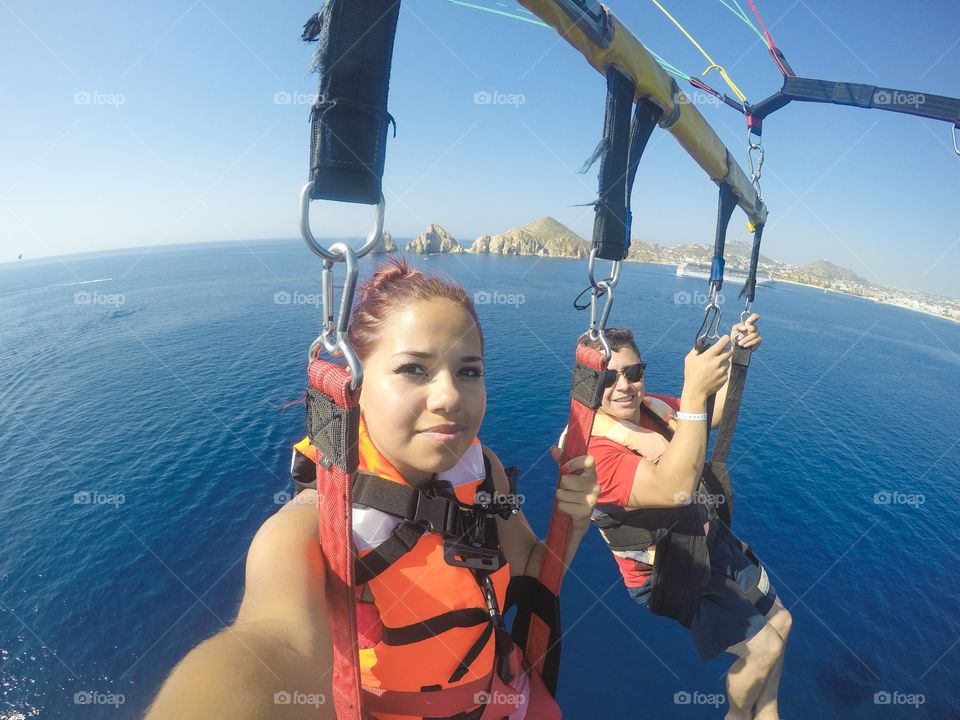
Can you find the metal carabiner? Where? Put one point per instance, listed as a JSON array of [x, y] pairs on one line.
[[956, 144], [316, 247], [333, 337], [747, 312], [596, 330], [710, 327], [610, 282]]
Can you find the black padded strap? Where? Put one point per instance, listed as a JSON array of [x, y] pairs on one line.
[[531, 597], [610, 227], [349, 120]]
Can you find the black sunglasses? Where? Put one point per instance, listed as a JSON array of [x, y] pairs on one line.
[[632, 373]]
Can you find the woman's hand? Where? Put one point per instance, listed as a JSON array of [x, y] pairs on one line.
[[745, 334], [578, 491]]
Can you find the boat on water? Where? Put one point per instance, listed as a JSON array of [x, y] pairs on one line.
[[732, 276]]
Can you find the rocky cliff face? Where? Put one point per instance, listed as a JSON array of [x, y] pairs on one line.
[[384, 245], [545, 237], [434, 240]]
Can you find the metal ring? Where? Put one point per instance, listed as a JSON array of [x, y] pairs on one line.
[[316, 247], [956, 145]]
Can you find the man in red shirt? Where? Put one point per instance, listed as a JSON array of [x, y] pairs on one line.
[[649, 452]]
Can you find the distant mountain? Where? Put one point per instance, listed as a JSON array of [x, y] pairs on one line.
[[545, 237], [826, 270], [434, 240]]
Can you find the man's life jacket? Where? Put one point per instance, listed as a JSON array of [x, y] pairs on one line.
[[432, 642], [681, 563]]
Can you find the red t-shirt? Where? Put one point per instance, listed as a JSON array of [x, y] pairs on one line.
[[616, 469]]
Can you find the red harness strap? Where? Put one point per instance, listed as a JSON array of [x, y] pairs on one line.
[[586, 394], [333, 418]]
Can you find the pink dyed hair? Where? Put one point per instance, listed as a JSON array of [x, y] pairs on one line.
[[393, 286]]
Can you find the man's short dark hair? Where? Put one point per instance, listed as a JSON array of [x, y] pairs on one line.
[[617, 338]]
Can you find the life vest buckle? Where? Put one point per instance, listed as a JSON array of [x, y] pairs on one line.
[[437, 514]]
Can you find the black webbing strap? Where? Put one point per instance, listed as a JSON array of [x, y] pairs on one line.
[[426, 629], [935, 107], [750, 286], [611, 226], [349, 119]]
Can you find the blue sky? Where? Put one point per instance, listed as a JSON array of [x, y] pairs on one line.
[[139, 124]]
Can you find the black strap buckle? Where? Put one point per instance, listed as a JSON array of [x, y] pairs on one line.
[[438, 514]]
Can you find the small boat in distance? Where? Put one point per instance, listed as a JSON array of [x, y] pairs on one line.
[[734, 276]]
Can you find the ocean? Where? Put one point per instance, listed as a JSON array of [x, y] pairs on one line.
[[144, 440]]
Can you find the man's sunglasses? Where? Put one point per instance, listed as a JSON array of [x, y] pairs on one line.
[[631, 373]]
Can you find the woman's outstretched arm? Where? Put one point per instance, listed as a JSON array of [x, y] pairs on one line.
[[274, 660]]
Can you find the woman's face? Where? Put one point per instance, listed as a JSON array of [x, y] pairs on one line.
[[423, 395], [622, 400]]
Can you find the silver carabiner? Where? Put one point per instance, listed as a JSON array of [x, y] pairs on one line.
[[747, 312], [596, 330], [956, 144], [610, 282], [316, 247], [333, 337]]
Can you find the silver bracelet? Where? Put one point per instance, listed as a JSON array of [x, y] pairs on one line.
[[701, 417]]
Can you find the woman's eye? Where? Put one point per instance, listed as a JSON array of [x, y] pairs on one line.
[[410, 369], [473, 372]]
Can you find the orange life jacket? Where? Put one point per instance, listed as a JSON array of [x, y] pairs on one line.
[[434, 626]]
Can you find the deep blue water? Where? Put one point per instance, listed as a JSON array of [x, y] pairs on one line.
[[143, 443]]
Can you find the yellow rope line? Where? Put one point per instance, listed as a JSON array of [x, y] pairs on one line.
[[713, 64]]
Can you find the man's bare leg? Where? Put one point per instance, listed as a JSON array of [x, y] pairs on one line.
[[766, 707], [748, 676]]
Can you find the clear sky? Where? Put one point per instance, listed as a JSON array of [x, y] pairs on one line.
[[138, 124]]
